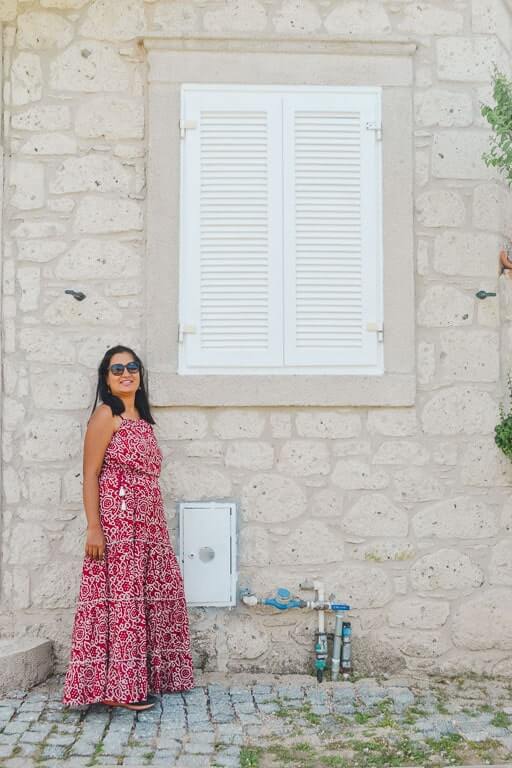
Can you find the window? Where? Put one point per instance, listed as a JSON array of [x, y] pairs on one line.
[[280, 263], [297, 70]]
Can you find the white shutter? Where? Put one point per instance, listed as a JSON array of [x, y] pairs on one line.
[[331, 230], [231, 248]]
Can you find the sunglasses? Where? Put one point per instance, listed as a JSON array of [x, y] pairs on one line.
[[117, 369]]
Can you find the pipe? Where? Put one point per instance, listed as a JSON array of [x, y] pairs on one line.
[[336, 649]]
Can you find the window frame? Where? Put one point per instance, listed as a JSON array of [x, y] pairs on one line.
[[174, 61]]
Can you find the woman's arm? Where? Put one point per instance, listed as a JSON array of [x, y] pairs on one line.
[[97, 437]]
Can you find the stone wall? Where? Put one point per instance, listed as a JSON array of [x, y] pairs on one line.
[[432, 585]]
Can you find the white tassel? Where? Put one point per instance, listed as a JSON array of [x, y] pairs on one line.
[[123, 506], [122, 493]]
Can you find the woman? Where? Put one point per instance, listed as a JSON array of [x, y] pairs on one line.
[[130, 633]]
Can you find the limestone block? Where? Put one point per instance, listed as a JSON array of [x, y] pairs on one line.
[[460, 409], [358, 17], [91, 173], [485, 621], [327, 424], [97, 215], [489, 207], [500, 566], [469, 355], [236, 16], [26, 79], [28, 545], [49, 144], [461, 518], [418, 614], [72, 486], [374, 514], [427, 19], [47, 117], [29, 282], [445, 569], [41, 344], [24, 661], [249, 454], [177, 18], [89, 66], [239, 423], [43, 487], [506, 516], [104, 21], [245, 637], [13, 414], [444, 305], [351, 448], [447, 109], [269, 498], [401, 452], [254, 546], [10, 485], [192, 482], [491, 17], [95, 310], [105, 259], [60, 389], [280, 425], [458, 155], [440, 208], [302, 458], [473, 254], [310, 541], [180, 424], [421, 167], [483, 464], [424, 645], [8, 10], [357, 475], [205, 449], [55, 586], [384, 551], [414, 484], [361, 585], [396, 422], [28, 182], [426, 362], [42, 30], [39, 228], [468, 59], [94, 345], [110, 117], [300, 16], [445, 454], [328, 502], [51, 438], [64, 5], [40, 250]]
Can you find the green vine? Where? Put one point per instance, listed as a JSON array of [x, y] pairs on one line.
[[503, 429], [499, 118]]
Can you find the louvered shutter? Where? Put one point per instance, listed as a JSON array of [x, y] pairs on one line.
[[331, 230], [231, 248]]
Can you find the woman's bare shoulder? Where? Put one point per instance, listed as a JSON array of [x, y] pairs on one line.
[[102, 419]]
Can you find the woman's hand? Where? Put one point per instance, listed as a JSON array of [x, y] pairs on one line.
[[95, 543]]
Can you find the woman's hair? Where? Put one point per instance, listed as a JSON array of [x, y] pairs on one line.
[[116, 404]]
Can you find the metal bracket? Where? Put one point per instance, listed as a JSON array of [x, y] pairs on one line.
[[378, 329], [377, 127], [184, 328], [187, 125]]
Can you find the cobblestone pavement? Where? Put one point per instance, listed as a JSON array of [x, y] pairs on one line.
[[255, 721]]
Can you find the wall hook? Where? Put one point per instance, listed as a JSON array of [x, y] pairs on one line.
[[78, 295]]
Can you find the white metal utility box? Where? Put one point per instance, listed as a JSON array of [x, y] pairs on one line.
[[208, 551]]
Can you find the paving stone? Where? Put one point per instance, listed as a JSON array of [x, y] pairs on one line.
[[290, 692]]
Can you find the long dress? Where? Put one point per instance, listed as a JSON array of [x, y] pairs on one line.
[[130, 633]]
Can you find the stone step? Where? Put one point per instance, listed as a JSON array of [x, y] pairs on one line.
[[24, 662]]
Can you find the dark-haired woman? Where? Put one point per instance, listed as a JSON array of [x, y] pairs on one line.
[[130, 633]]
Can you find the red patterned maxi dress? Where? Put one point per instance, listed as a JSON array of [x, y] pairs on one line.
[[130, 634]]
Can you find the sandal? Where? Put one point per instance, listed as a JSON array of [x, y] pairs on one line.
[[138, 706]]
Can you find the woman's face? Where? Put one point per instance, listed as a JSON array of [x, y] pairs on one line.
[[128, 382]]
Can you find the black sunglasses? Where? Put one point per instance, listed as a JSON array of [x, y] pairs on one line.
[[117, 369]]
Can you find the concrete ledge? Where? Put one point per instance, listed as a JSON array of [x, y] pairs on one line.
[[24, 662]]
